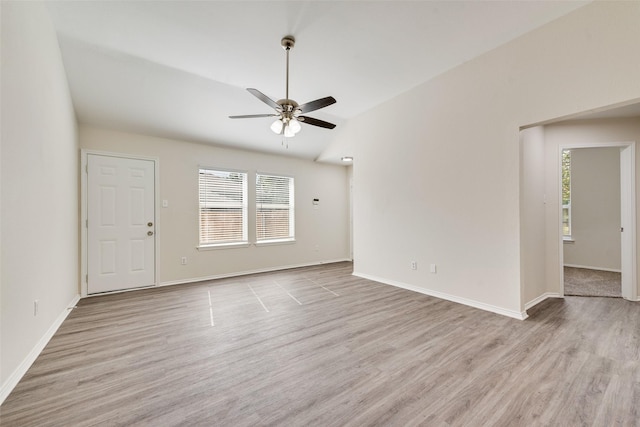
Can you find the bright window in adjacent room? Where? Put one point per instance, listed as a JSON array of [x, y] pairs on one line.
[[223, 207], [275, 205], [566, 194]]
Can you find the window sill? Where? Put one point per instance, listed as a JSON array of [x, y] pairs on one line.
[[223, 246], [276, 242], [568, 239]]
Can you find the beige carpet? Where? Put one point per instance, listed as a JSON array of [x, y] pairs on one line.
[[592, 283]]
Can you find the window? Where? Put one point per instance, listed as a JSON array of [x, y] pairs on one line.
[[274, 208], [223, 207], [566, 193]]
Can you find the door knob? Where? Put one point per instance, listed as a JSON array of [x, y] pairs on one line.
[[149, 233], [149, 224]]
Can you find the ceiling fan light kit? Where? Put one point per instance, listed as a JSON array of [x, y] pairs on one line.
[[287, 111]]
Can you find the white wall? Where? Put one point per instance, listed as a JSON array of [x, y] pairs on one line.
[[39, 188], [322, 235], [595, 209], [576, 132], [437, 168], [532, 224]]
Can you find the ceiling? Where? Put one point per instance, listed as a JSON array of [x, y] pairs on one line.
[[178, 69]]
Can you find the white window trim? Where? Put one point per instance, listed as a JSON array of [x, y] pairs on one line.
[[272, 242], [230, 245]]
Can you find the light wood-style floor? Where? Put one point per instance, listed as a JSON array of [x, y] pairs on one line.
[[319, 347]]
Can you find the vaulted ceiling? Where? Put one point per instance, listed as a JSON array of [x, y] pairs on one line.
[[178, 69]]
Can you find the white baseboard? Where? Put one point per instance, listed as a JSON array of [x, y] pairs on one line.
[[247, 272], [453, 298], [588, 267], [541, 298], [17, 375]]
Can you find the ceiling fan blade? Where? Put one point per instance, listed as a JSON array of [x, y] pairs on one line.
[[254, 116], [316, 122], [264, 98], [317, 104]]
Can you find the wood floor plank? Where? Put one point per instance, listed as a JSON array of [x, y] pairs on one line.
[[332, 350]]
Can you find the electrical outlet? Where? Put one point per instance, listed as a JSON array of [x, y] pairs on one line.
[[414, 265], [36, 307], [183, 260]]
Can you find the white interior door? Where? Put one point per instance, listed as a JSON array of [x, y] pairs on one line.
[[120, 223]]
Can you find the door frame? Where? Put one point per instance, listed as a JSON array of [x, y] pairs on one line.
[[627, 213], [84, 199]]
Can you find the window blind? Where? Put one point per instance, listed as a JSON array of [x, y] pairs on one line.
[[274, 208], [223, 206]]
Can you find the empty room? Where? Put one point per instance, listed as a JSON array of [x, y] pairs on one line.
[[319, 213]]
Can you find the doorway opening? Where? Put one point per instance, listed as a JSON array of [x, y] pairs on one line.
[[591, 222], [541, 220], [600, 281]]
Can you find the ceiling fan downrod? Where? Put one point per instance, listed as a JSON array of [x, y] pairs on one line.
[[287, 43]]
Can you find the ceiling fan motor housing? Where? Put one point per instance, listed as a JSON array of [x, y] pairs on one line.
[[289, 107]]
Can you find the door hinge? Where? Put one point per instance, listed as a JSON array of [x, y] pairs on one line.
[[86, 279]]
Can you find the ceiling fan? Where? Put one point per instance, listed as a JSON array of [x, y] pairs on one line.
[[289, 114]]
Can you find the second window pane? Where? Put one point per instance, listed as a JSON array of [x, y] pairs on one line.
[[274, 208]]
